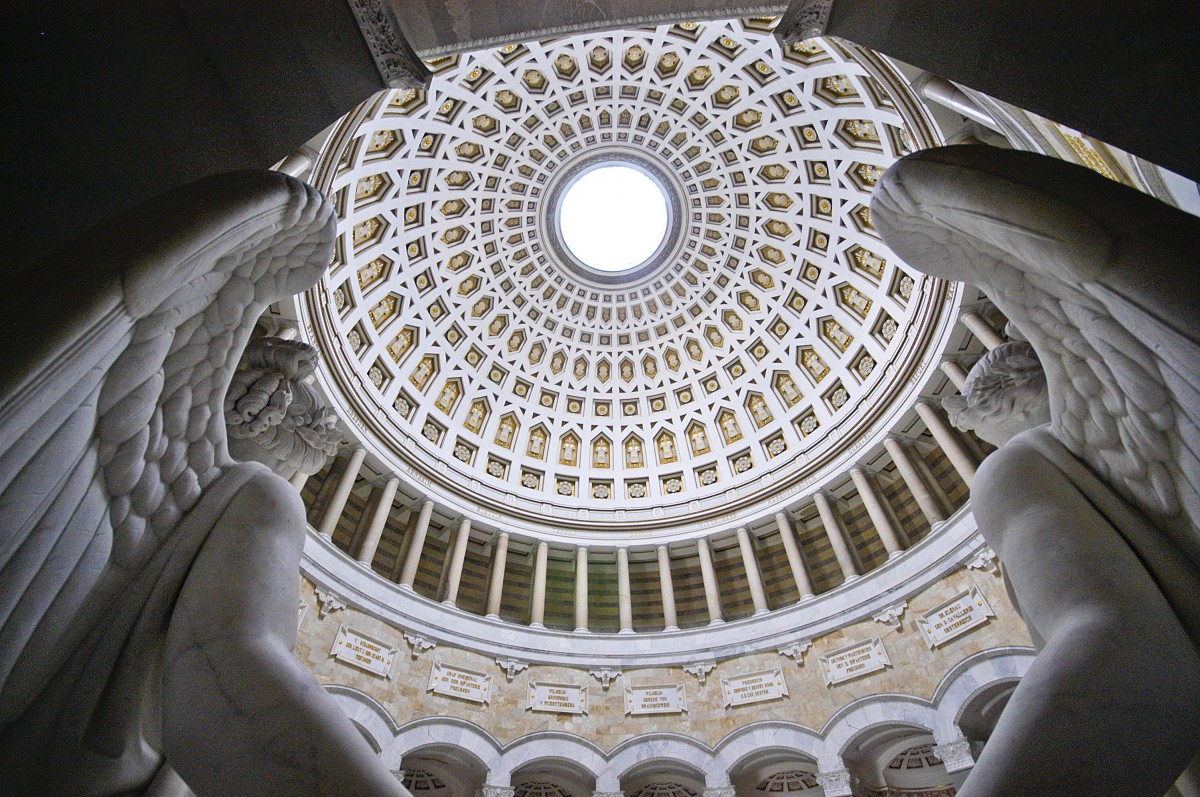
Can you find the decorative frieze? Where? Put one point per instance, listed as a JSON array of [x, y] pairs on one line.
[[363, 652], [854, 661], [655, 699], [962, 613], [754, 687], [457, 682]]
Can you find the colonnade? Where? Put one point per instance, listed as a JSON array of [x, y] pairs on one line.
[[928, 494]]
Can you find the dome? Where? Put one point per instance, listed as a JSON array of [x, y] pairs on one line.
[[760, 340]]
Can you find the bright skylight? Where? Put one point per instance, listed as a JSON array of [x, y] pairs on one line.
[[613, 218]]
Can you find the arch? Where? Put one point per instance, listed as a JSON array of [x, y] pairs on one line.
[[367, 714], [965, 680], [554, 745], [749, 741], [441, 733], [870, 716], [629, 756]]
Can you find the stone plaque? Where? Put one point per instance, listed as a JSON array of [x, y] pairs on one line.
[[655, 699], [754, 687], [557, 698], [861, 658], [465, 684], [369, 654], [955, 617]]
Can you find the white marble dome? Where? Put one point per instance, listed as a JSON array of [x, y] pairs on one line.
[[768, 337]]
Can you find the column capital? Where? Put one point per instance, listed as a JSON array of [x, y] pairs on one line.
[[489, 790], [956, 755], [835, 782]]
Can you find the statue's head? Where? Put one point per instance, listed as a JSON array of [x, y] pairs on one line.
[[1005, 394]]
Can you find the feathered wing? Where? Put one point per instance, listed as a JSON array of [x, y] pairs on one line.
[[111, 420], [1103, 282]]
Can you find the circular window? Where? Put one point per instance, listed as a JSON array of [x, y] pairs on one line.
[[613, 218]]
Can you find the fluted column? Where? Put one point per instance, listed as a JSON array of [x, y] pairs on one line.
[[383, 508], [337, 501], [711, 597], [409, 573], [916, 485], [457, 558], [981, 329], [581, 589], [624, 593], [956, 373], [537, 604], [753, 574], [667, 587], [832, 521], [795, 559], [960, 458], [879, 516], [496, 588]]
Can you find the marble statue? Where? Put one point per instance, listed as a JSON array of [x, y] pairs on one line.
[[272, 413], [148, 587], [1091, 499]]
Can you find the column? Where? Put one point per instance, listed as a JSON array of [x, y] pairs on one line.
[[337, 501], [832, 522], [296, 164], [753, 574], [457, 558], [624, 596], [409, 573], [957, 374], [581, 589], [960, 458], [795, 559], [710, 582], [981, 329], [916, 485], [879, 516], [537, 604], [496, 588], [667, 586], [298, 480], [383, 508], [948, 95]]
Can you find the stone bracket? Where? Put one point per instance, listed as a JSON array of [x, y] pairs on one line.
[[802, 20], [511, 667], [419, 643], [397, 62], [700, 669], [605, 677]]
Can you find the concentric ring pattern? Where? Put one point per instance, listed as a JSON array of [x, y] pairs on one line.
[[775, 336]]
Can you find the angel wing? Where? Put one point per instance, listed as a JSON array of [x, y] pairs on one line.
[[1101, 279], [111, 390]]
